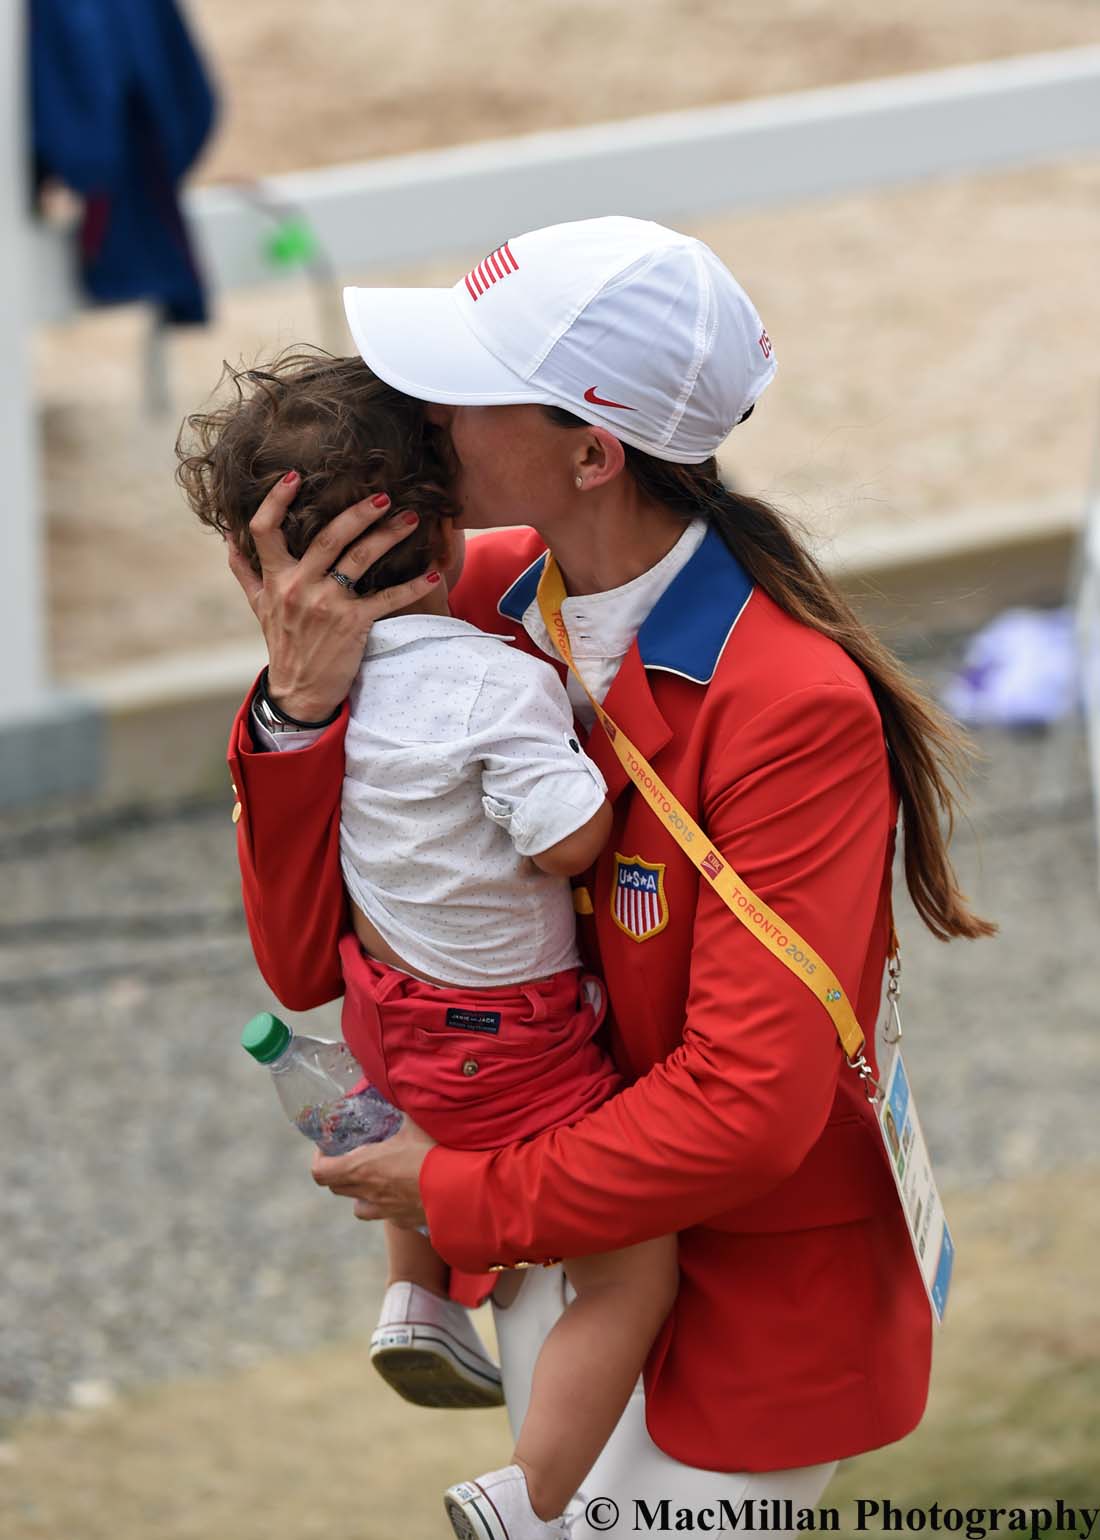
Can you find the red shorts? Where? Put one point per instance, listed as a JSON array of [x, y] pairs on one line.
[[477, 1068]]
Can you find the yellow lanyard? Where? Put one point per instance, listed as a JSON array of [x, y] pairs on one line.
[[780, 939]]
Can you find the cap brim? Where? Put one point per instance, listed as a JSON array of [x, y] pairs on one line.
[[416, 340]]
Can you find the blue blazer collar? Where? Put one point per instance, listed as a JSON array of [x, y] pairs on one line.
[[689, 626]]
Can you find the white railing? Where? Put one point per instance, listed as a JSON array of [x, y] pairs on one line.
[[677, 165]]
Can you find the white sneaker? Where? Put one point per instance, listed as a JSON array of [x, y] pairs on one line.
[[496, 1507], [427, 1349]]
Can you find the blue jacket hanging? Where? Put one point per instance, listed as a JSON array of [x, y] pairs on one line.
[[121, 106]]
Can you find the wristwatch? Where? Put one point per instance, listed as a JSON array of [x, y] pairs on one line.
[[277, 721]]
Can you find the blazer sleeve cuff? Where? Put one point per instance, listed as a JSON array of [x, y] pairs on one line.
[[452, 1189]]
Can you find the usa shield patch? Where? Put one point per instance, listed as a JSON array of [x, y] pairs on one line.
[[638, 903]]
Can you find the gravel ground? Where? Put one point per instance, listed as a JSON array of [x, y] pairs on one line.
[[300, 87], [158, 1215]]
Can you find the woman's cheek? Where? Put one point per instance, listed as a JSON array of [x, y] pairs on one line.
[[481, 509]]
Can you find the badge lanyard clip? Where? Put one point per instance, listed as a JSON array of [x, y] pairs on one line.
[[892, 1032], [865, 1072]]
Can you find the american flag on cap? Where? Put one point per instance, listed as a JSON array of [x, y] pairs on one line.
[[497, 265]]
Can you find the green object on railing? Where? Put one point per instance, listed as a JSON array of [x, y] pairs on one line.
[[292, 243]]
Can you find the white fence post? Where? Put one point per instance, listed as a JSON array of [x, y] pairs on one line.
[[22, 672], [50, 743]]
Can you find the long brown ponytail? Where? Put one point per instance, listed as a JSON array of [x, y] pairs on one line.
[[928, 751]]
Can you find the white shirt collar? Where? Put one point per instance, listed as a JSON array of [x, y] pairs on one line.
[[400, 630], [604, 625]]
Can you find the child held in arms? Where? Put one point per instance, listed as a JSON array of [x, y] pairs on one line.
[[468, 803]]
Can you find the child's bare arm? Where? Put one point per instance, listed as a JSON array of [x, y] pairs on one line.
[[577, 851]]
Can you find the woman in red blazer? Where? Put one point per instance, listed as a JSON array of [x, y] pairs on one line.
[[586, 375]]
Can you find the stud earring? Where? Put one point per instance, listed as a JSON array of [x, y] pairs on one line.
[[579, 481]]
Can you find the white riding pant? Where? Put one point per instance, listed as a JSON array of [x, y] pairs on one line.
[[631, 1467]]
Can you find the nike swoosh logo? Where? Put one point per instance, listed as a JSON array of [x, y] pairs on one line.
[[590, 395]]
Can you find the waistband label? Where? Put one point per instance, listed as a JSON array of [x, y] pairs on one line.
[[474, 1021]]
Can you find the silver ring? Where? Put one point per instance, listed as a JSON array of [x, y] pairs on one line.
[[344, 581]]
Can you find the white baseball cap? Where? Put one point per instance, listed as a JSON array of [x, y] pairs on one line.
[[635, 328]]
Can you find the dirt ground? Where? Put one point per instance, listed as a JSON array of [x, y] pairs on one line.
[[935, 343], [320, 1442], [309, 85]]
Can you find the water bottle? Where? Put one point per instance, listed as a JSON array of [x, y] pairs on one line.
[[321, 1087]]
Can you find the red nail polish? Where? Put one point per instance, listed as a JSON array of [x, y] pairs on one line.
[[411, 518], [290, 476], [379, 500], [433, 577]]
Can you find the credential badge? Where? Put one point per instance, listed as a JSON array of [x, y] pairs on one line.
[[638, 902]]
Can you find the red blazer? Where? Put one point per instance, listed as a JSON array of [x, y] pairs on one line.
[[801, 1332]]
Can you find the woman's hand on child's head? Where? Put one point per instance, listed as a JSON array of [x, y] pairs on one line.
[[315, 628], [384, 1179]]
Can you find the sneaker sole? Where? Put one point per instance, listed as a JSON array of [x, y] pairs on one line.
[[428, 1369], [472, 1515]]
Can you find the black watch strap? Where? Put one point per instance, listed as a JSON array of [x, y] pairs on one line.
[[284, 717]]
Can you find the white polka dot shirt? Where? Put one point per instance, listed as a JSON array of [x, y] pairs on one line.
[[461, 758]]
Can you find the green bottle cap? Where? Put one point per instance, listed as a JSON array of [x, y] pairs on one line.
[[265, 1037]]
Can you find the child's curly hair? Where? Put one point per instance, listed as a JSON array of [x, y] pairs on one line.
[[344, 430]]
